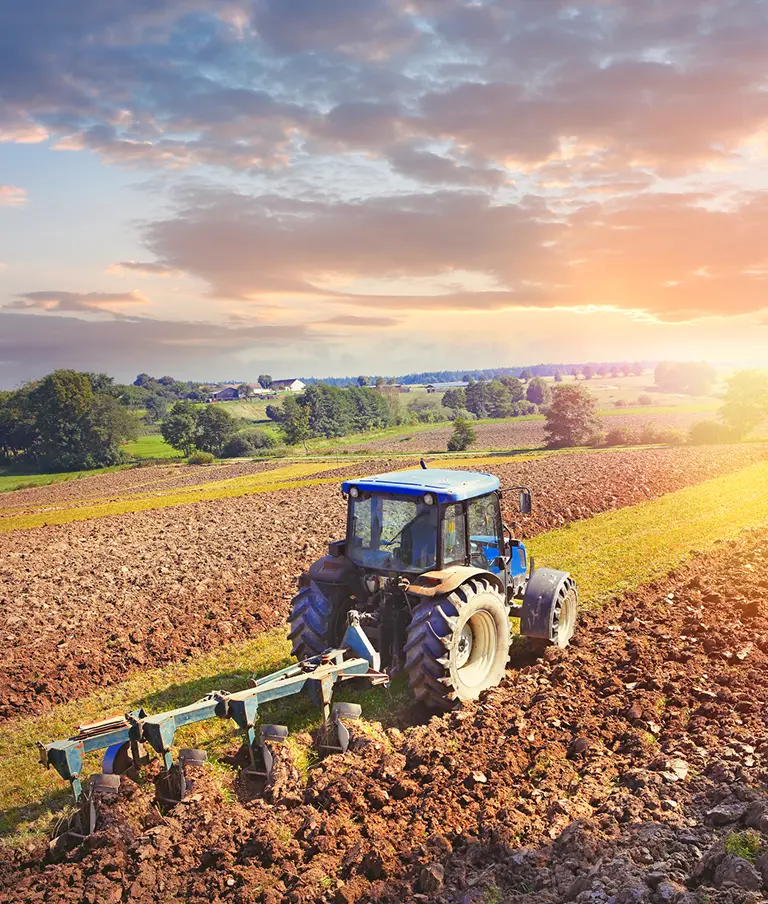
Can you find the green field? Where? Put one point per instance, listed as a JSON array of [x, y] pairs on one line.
[[12, 479], [150, 446], [609, 554]]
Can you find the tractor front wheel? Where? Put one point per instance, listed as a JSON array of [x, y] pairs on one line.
[[458, 645]]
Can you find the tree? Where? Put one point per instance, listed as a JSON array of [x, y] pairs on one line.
[[265, 381], [463, 435], [539, 391], [244, 390], [745, 404], [178, 429], [526, 375], [76, 427], [295, 422], [476, 396], [214, 425], [515, 388], [142, 380], [626, 369], [497, 400], [380, 381], [362, 381], [690, 377], [455, 399], [603, 370], [572, 416], [589, 371], [637, 369], [156, 408], [558, 376]]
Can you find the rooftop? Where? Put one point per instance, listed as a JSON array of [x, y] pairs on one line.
[[447, 485]]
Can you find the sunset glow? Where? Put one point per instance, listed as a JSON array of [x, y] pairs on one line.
[[380, 186]]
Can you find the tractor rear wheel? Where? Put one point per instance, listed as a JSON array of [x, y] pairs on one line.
[[316, 624], [458, 645]]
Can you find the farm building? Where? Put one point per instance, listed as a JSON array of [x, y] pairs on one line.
[[290, 385], [444, 387], [224, 394]]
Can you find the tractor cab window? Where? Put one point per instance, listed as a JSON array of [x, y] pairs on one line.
[[454, 535], [486, 538], [393, 534]]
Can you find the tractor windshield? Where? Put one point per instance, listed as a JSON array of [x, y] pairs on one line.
[[393, 533]]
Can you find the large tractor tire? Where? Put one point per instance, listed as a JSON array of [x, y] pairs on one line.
[[316, 624], [550, 607], [458, 645]]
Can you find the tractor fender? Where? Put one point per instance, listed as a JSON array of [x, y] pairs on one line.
[[544, 585], [330, 570], [445, 581]]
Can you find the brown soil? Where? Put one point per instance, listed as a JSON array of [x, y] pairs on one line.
[[112, 484], [625, 769], [87, 603], [513, 434]]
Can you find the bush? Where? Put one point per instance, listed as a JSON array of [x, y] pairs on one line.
[[620, 436], [708, 432], [645, 400], [522, 408], [671, 437], [463, 435], [248, 442], [619, 403], [200, 458], [237, 447]]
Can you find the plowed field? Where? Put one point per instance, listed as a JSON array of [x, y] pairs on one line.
[[630, 768], [88, 602], [521, 434]]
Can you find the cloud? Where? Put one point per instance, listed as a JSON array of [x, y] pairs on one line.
[[146, 268], [89, 302], [31, 346], [353, 320], [671, 257], [11, 196], [425, 166], [263, 85]]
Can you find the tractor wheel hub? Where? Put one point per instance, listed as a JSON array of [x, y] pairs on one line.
[[464, 646]]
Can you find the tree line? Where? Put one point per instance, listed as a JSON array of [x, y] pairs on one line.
[[67, 421], [587, 371], [330, 411]]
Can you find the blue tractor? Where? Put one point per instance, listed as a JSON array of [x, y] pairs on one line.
[[435, 576], [426, 580]]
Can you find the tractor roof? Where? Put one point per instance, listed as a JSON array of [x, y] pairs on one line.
[[448, 486]]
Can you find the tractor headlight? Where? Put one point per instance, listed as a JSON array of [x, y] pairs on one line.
[[429, 499], [354, 492]]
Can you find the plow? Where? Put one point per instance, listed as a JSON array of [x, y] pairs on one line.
[[427, 580]]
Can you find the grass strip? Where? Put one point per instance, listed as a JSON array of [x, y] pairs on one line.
[[287, 477], [619, 550], [283, 478], [609, 554]]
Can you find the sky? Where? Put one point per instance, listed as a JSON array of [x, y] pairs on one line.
[[215, 189]]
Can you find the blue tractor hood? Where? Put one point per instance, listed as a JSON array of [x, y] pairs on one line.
[[448, 486]]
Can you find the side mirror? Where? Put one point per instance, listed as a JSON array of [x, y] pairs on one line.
[[526, 505]]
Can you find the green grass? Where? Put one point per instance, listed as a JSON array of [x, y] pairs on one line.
[[609, 554], [616, 551], [287, 477], [17, 479], [150, 446], [746, 845]]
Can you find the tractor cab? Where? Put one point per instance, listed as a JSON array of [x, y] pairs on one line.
[[412, 522]]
